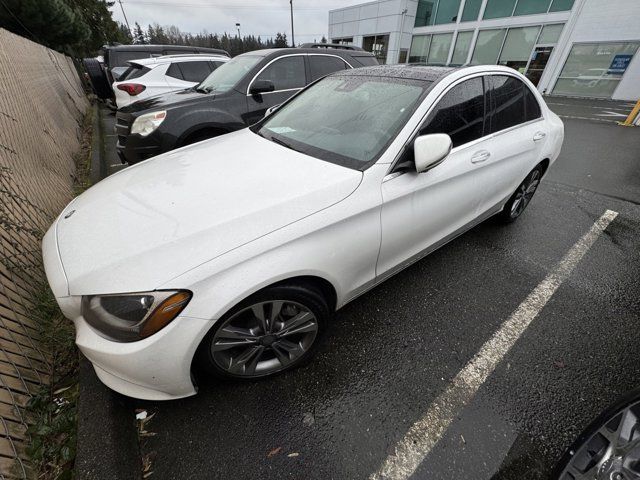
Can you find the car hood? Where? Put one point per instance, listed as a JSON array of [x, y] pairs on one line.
[[167, 101], [151, 222]]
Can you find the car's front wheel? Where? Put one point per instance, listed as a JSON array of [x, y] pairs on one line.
[[275, 330], [522, 196]]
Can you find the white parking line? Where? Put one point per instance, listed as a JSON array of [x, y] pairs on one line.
[[426, 432]]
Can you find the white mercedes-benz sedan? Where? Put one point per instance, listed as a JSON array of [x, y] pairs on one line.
[[232, 254]]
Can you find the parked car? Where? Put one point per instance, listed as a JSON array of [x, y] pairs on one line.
[[232, 97], [233, 254], [117, 56], [155, 76]]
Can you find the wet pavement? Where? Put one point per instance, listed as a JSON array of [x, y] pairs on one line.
[[391, 352]]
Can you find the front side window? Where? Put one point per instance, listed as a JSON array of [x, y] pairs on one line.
[[225, 77], [344, 119], [285, 73], [460, 113], [322, 65], [510, 103]]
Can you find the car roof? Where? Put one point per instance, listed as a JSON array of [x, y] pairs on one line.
[[178, 58], [317, 51], [403, 70]]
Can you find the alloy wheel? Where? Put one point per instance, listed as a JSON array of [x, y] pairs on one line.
[[612, 452], [264, 338], [524, 194]]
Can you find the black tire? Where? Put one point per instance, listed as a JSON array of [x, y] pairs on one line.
[[98, 78], [305, 296], [590, 447], [523, 194]]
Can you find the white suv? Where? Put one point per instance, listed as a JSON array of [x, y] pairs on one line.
[[148, 77]]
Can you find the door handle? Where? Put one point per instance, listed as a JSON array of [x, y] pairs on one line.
[[539, 136], [480, 156]]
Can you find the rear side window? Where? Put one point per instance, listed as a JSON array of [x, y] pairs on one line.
[[174, 71], [366, 60], [510, 103], [134, 71], [285, 73], [322, 65], [194, 71], [460, 113]]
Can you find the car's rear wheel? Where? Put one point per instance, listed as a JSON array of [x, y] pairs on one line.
[[522, 196], [273, 331]]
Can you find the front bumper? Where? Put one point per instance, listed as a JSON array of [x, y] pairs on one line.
[[155, 368], [134, 148]]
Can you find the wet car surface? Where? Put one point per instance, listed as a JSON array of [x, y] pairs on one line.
[[390, 353]]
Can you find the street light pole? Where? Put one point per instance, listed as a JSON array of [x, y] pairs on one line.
[[238, 27], [293, 40], [124, 15]]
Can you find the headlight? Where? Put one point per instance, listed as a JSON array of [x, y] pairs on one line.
[[132, 317], [147, 123]]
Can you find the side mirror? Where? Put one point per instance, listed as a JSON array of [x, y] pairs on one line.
[[270, 110], [430, 150], [262, 86]]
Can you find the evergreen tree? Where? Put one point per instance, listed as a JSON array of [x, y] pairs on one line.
[[138, 35], [281, 40]]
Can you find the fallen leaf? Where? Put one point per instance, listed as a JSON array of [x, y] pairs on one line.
[[294, 454], [273, 452], [559, 364]]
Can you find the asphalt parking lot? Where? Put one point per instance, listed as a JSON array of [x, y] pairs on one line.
[[394, 352]]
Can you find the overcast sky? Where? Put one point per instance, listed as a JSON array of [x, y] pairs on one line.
[[256, 17]]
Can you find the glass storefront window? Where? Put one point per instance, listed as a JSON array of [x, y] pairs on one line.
[[488, 46], [439, 50], [471, 10], [517, 47], [561, 5], [447, 11], [377, 44], [424, 14], [419, 48], [550, 34], [499, 8], [461, 50], [527, 7], [594, 69]]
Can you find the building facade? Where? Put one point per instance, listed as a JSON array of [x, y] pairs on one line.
[[584, 48]]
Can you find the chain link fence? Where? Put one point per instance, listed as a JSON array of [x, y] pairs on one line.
[[42, 104]]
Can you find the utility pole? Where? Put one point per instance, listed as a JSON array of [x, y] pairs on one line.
[[124, 15], [293, 40]]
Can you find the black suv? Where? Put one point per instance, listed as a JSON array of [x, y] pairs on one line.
[[234, 96]]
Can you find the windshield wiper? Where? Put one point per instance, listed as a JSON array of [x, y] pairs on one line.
[[199, 89], [282, 142]]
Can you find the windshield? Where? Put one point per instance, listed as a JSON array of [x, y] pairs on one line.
[[347, 120], [225, 77]]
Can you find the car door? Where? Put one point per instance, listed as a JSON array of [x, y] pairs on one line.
[[288, 75], [517, 134], [421, 211]]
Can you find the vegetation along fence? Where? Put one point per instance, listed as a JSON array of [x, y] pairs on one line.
[[41, 107]]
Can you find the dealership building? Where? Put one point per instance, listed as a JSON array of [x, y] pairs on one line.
[[585, 48]]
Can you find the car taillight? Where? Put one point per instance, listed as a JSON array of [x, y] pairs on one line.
[[132, 89]]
